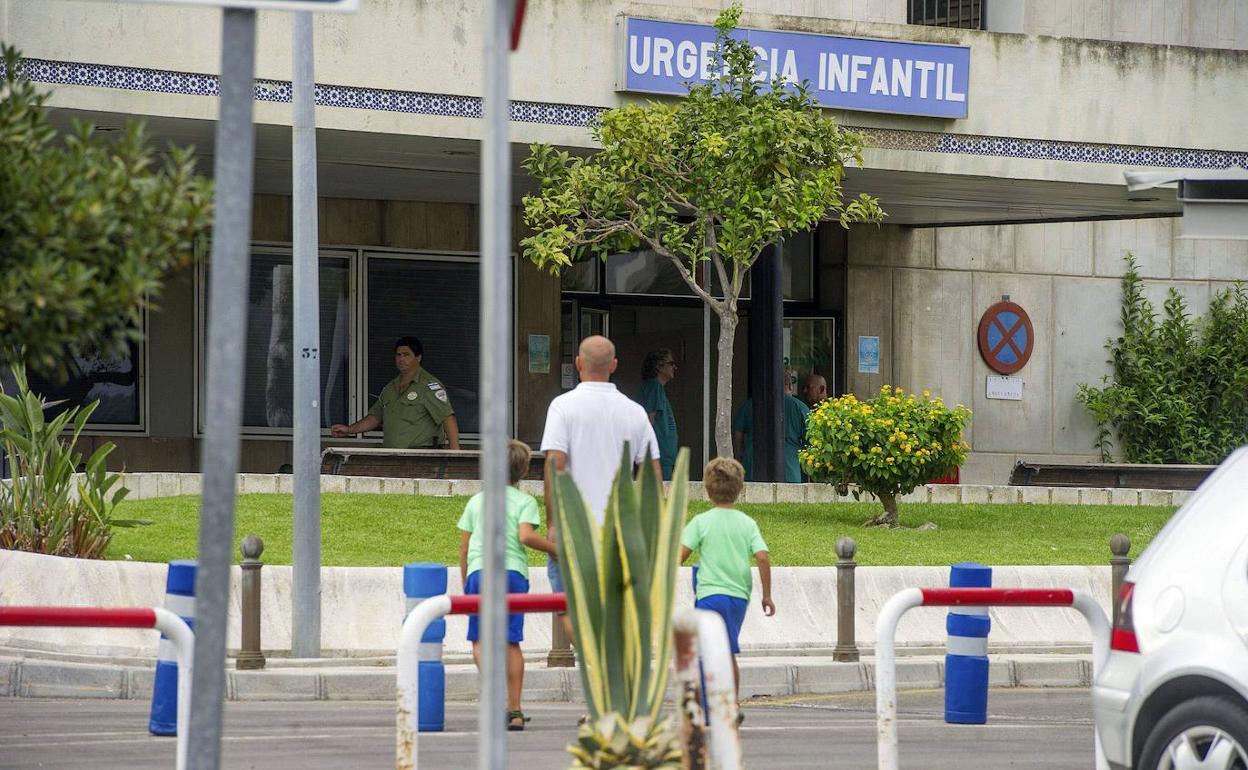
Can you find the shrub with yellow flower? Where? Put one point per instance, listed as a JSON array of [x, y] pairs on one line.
[[886, 446]]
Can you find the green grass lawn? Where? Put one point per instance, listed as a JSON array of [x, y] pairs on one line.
[[390, 530]]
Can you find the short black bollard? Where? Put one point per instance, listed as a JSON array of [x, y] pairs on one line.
[[249, 655], [1119, 563], [846, 649]]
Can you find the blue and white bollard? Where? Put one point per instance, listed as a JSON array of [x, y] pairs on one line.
[[420, 581], [966, 664], [180, 600]]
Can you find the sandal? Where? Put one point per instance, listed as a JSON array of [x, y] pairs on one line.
[[516, 716]]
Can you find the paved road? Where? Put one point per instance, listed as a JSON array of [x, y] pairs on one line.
[[1027, 728]]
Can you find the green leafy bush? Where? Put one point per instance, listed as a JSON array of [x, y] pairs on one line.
[[89, 227], [886, 446], [1179, 387], [39, 510]]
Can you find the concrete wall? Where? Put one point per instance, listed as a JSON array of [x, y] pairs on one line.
[[427, 47], [1202, 23], [362, 607], [922, 291]]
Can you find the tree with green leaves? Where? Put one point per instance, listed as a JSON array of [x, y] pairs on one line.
[[706, 182], [89, 228]]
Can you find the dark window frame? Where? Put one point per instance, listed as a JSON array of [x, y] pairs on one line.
[[956, 14]]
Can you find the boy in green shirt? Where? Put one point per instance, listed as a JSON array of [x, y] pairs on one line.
[[725, 538], [522, 523]]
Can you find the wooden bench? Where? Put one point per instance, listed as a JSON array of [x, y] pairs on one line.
[[1119, 475], [411, 463]]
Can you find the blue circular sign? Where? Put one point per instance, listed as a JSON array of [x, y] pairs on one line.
[[1006, 337]]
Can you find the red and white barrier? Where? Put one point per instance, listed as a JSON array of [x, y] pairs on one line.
[[713, 647], [164, 621], [903, 601], [414, 626]]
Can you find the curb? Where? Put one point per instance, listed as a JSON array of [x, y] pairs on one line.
[[148, 485], [760, 677]]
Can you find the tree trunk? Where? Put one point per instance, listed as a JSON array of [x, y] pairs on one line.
[[723, 383], [889, 516]]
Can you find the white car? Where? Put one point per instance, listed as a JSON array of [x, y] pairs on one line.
[[1174, 692]]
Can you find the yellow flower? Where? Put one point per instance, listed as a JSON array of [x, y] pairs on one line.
[[927, 394], [888, 459]]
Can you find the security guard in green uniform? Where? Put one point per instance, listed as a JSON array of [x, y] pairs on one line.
[[414, 410]]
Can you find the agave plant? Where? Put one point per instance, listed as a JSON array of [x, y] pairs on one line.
[[620, 580], [39, 510]]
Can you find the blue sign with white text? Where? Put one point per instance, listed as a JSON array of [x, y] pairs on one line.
[[845, 73]]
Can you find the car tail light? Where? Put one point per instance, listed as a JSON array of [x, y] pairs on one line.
[[1123, 638]]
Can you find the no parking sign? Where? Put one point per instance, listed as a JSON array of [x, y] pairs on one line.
[[1006, 338]]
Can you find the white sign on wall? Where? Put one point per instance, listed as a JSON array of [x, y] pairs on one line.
[[1004, 388]]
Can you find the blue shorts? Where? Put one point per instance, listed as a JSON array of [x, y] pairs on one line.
[[552, 574], [732, 610], [516, 584]]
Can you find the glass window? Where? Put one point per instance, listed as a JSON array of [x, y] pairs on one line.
[[112, 380], [810, 348], [581, 277], [798, 278], [269, 372], [964, 14], [436, 300], [797, 267], [645, 272]]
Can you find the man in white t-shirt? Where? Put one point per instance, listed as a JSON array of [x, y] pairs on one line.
[[586, 429]]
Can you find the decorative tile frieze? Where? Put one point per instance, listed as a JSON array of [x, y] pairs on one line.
[[548, 113]]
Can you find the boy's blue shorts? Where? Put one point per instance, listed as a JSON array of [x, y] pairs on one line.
[[516, 584], [732, 610]]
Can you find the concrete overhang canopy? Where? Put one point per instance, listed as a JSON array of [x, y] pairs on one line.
[[1215, 202], [390, 166]]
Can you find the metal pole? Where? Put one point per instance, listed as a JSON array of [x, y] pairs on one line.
[[766, 365], [227, 326], [305, 639], [706, 381], [495, 374]]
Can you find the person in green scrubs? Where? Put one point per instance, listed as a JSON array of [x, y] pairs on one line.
[[795, 413], [414, 409], [657, 370]]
